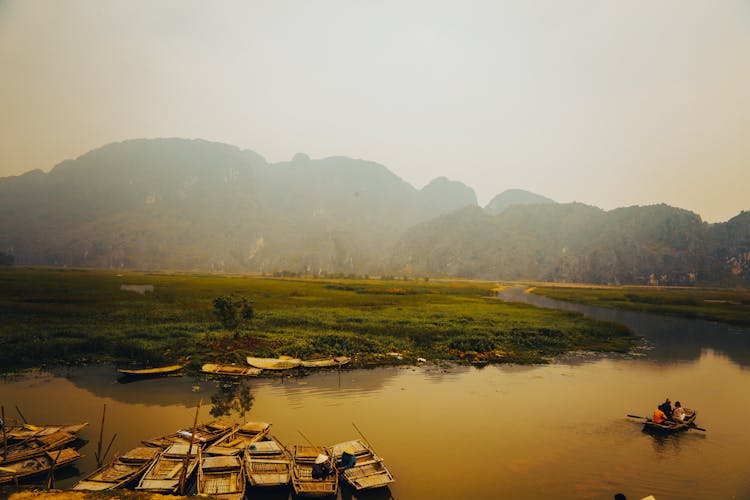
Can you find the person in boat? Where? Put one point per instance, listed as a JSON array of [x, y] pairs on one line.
[[678, 414], [659, 417], [322, 467], [347, 460], [666, 407]]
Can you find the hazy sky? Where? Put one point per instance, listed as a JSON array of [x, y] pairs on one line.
[[610, 103]]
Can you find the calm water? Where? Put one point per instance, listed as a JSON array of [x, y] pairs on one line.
[[556, 431]]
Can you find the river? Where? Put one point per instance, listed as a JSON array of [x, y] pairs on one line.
[[518, 432]]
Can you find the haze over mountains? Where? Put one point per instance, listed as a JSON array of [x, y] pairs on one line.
[[176, 204]]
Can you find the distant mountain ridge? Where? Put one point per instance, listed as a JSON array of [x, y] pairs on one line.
[[191, 204]]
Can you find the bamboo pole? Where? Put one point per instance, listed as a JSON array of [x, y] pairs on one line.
[[5, 436], [101, 437], [21, 414], [186, 460], [300, 433], [51, 476], [106, 452], [363, 437]]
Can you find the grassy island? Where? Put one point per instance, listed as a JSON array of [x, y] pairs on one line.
[[56, 316]]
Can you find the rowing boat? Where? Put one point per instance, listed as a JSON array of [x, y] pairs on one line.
[[163, 370], [222, 477], [327, 362], [121, 472], [267, 464], [233, 370], [236, 441], [368, 472], [36, 446], [205, 435], [669, 426], [163, 476], [280, 363], [26, 431], [40, 464], [303, 460]]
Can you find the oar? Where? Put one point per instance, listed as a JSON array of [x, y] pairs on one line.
[[636, 416], [693, 426], [300, 433]]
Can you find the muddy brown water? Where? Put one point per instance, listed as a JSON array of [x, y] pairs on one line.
[[525, 432]]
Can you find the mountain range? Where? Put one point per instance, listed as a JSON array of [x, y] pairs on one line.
[[177, 204]]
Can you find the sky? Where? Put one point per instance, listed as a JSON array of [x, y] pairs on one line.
[[604, 102]]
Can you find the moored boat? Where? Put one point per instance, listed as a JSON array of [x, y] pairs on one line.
[[36, 446], [205, 435], [122, 472], [327, 362], [240, 438], [670, 427], [304, 458], [163, 476], [369, 470], [280, 363], [147, 372], [267, 464], [26, 431], [233, 370], [39, 464], [222, 477]]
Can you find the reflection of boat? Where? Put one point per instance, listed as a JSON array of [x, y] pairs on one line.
[[121, 472], [322, 363], [368, 472], [267, 463], [222, 477], [40, 464], [36, 446], [220, 369], [205, 434], [280, 363], [163, 476], [669, 426], [164, 370], [27, 430], [303, 460], [239, 439]]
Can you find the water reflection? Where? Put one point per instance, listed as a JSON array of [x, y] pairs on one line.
[[232, 396]]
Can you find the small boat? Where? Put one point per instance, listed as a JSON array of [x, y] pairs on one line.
[[267, 464], [323, 363], [163, 476], [234, 370], [303, 459], [280, 363], [239, 439], [670, 427], [222, 477], [147, 372], [40, 464], [26, 431], [121, 472], [205, 435], [36, 446], [368, 472]]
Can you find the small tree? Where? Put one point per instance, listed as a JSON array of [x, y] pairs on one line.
[[233, 311]]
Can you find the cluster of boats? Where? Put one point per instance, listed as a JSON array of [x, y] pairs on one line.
[[255, 368], [217, 458]]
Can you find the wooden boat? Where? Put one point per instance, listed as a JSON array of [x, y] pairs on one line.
[[303, 459], [163, 476], [205, 435], [26, 431], [322, 363], [239, 439], [280, 363], [670, 427], [121, 472], [36, 446], [267, 464], [369, 470], [233, 370], [222, 477], [40, 464], [146, 372]]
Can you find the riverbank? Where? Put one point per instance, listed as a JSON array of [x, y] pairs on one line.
[[140, 319], [727, 305]]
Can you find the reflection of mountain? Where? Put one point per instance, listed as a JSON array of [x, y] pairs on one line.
[[673, 338]]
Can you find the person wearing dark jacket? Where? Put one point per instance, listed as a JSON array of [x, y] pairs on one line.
[[666, 407]]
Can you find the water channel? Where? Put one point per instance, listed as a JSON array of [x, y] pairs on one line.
[[517, 432]]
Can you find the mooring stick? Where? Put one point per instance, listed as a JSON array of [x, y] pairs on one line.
[[186, 460], [5, 436], [21, 414], [51, 477], [101, 436], [300, 433]]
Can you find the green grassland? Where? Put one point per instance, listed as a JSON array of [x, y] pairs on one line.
[[53, 316], [728, 305]]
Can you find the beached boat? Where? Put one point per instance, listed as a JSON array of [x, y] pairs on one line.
[[267, 464], [280, 363], [122, 472], [40, 464], [222, 477], [240, 438], [36, 446], [26, 431], [368, 472], [233, 370], [148, 372], [669, 426], [327, 362], [163, 476], [205, 435], [303, 459]]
